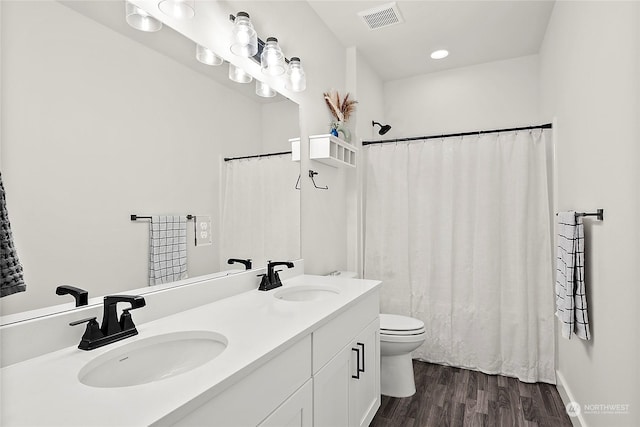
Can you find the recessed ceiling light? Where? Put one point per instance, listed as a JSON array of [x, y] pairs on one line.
[[439, 54]]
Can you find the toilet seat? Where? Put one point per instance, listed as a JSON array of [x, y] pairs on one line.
[[400, 326]]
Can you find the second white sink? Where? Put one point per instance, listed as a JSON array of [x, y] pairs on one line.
[[152, 359], [306, 293]]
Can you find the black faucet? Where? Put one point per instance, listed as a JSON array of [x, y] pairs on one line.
[[246, 262], [112, 329], [271, 280], [81, 296]]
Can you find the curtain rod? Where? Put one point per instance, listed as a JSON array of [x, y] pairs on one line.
[[480, 132], [226, 159]]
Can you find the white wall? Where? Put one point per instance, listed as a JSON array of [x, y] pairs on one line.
[[367, 88], [589, 83], [487, 96], [96, 127]]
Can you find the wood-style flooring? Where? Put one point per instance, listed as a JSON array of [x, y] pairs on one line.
[[447, 396]]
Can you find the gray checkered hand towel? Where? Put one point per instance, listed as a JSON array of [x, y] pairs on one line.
[[167, 249], [571, 299]]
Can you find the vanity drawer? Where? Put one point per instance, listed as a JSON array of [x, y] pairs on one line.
[[330, 338]]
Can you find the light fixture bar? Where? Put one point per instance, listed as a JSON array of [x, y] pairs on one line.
[[261, 43]]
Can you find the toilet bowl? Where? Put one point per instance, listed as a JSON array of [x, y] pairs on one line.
[[399, 336]]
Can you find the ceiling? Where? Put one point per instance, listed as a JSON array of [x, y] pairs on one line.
[[474, 32]]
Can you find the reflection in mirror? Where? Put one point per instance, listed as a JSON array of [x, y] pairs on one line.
[[100, 121], [261, 208]]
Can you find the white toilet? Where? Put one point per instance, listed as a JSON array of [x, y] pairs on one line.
[[399, 336]]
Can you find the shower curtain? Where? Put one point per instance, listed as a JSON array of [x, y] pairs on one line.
[[458, 229], [261, 210]]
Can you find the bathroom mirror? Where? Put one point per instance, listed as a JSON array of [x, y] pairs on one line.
[[101, 121]]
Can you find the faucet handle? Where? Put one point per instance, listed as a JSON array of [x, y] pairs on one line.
[[276, 278], [91, 334], [126, 322], [81, 321]]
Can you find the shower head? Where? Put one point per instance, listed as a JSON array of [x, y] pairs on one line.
[[383, 128]]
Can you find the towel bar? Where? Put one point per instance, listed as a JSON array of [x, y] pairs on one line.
[[135, 217], [599, 214]]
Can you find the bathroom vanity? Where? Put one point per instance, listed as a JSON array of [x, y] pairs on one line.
[[304, 354]]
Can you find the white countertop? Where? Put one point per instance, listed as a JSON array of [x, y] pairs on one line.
[[46, 391]]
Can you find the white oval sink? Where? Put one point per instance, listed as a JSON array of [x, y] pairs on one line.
[[306, 293], [153, 359]]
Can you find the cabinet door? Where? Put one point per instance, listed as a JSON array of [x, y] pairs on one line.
[[296, 411], [331, 391], [364, 390]]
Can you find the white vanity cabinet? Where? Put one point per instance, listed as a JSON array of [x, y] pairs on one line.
[[346, 365], [272, 393], [364, 391], [329, 378], [286, 363], [296, 411]]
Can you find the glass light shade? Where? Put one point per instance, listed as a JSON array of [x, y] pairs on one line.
[[264, 90], [244, 39], [140, 19], [238, 75], [206, 56], [296, 79], [272, 59], [179, 9]]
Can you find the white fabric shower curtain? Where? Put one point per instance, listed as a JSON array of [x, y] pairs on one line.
[[459, 231], [261, 210]]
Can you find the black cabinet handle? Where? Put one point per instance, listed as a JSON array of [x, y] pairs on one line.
[[357, 375], [362, 346]]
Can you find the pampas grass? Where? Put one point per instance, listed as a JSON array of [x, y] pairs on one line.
[[341, 111]]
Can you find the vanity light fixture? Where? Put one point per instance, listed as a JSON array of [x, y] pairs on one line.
[[238, 75], [140, 20], [439, 54], [272, 59], [179, 9], [206, 56], [244, 39], [245, 42], [264, 90], [296, 80]]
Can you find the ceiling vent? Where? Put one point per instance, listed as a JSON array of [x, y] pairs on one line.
[[381, 16]]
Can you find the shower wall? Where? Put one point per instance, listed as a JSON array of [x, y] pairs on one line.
[[486, 96]]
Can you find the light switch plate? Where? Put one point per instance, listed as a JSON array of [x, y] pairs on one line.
[[203, 230]]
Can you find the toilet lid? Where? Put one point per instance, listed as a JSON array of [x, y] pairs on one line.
[[394, 324]]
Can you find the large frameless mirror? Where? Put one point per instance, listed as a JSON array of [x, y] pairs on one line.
[[101, 122]]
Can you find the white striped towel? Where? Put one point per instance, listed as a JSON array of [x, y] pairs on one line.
[[571, 300], [167, 249]]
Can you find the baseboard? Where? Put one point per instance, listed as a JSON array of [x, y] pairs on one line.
[[567, 396]]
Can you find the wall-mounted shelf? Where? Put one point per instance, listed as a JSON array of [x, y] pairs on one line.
[[332, 151], [295, 149]]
